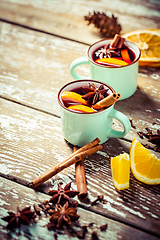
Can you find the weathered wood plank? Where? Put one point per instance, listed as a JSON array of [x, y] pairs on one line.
[[32, 142], [21, 196], [66, 18], [34, 66]]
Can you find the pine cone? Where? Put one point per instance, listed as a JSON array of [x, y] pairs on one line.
[[108, 25]]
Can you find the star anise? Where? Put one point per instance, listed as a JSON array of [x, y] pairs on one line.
[[23, 216], [107, 52], [94, 94], [64, 214], [62, 195]]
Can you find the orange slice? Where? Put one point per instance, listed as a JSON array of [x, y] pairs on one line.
[[72, 97], [81, 108], [144, 165], [125, 56], [120, 167], [149, 43], [111, 61]]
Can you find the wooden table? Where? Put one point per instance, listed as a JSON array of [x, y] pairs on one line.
[[38, 41]]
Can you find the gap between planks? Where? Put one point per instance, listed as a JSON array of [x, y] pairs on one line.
[[26, 183], [29, 106], [41, 31], [83, 206], [46, 112]]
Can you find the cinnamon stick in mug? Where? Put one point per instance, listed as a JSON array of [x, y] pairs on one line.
[[117, 41], [80, 178], [59, 167], [108, 101]]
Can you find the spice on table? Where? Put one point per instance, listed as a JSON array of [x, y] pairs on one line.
[[55, 236], [63, 214], [45, 202], [152, 138], [81, 154], [61, 195], [140, 134], [104, 227], [84, 231], [23, 216], [149, 131], [100, 198], [132, 125], [79, 234], [94, 236], [155, 139], [80, 178], [45, 207], [37, 210]]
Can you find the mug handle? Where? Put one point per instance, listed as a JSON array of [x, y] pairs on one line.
[[121, 118], [74, 64]]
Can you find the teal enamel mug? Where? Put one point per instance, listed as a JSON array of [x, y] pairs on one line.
[[123, 79], [81, 128]]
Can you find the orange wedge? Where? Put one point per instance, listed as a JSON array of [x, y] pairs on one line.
[[145, 166], [149, 43], [120, 167], [72, 97], [111, 61], [81, 108], [125, 56]]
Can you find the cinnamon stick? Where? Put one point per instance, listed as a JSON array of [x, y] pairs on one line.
[[82, 149], [80, 178], [117, 41], [68, 162], [108, 101], [120, 44]]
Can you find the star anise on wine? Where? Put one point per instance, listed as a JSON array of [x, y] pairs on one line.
[[61, 195], [63, 214], [107, 52], [23, 216], [94, 94]]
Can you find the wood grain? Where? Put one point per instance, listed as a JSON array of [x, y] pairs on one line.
[[34, 66], [32, 142], [39, 40], [66, 18], [22, 197]]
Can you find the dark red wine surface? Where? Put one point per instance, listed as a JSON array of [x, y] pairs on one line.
[[130, 52], [68, 102]]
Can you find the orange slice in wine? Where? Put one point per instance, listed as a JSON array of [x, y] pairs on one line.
[[81, 108], [111, 62], [73, 97]]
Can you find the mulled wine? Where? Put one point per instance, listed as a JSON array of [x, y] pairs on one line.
[[113, 57], [82, 99]]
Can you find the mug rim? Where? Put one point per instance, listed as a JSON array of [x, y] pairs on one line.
[[104, 66], [83, 80]]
